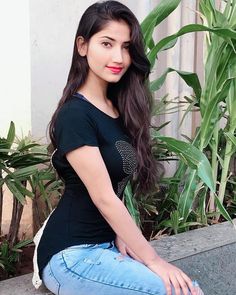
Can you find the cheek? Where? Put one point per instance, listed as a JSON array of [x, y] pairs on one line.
[[95, 56]]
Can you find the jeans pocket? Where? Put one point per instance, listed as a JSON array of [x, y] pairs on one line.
[[49, 280]]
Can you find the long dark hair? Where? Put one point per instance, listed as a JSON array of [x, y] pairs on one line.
[[130, 95]]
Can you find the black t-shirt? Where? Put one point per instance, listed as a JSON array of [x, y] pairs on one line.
[[76, 220]]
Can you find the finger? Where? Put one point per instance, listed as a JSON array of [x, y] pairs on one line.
[[167, 286], [176, 285], [122, 250], [182, 283], [189, 282]]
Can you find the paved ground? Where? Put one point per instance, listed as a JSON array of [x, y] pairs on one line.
[[207, 255]]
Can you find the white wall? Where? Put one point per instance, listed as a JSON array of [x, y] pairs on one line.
[[15, 85]]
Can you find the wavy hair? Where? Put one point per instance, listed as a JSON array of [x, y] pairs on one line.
[[130, 95]]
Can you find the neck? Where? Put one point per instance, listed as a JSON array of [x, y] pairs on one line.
[[95, 88]]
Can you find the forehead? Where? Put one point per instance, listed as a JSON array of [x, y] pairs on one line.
[[118, 30]]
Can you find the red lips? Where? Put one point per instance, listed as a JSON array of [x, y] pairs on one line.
[[115, 69]]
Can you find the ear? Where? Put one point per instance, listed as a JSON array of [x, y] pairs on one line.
[[81, 46]]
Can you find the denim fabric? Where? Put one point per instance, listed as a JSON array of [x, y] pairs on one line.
[[99, 269]]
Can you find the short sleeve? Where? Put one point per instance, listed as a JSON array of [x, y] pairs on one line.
[[74, 127]]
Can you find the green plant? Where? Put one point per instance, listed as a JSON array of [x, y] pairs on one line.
[[18, 161], [21, 173], [26, 170], [45, 185], [10, 256], [216, 103], [195, 177]]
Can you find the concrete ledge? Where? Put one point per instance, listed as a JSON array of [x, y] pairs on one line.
[[207, 255], [195, 241]]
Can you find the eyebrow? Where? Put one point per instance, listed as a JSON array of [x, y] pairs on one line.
[[113, 39]]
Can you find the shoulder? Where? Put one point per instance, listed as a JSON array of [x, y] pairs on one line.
[[73, 105], [74, 111], [74, 126]]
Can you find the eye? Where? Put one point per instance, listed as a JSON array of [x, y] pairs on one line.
[[127, 47], [106, 44]]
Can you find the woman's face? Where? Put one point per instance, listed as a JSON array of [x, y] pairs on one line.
[[107, 52]]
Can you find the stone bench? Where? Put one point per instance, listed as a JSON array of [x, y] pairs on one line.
[[207, 255]]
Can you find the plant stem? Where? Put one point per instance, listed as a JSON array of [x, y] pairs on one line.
[[224, 174], [214, 164], [15, 220]]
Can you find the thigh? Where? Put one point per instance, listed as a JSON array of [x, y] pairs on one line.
[[101, 270]]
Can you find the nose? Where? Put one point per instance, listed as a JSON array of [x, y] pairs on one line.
[[117, 55]]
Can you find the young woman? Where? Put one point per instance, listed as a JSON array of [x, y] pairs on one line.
[[90, 245]]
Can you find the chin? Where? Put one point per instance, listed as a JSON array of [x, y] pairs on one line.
[[114, 79]]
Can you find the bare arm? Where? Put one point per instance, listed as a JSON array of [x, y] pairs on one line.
[[122, 247], [90, 167]]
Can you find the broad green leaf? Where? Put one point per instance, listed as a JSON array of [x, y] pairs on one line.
[[223, 210], [155, 17], [11, 134], [6, 150], [223, 60], [28, 147], [193, 157], [201, 209], [12, 179], [175, 220], [24, 190], [231, 137], [207, 8], [162, 126], [232, 20], [210, 117], [188, 194], [215, 57], [190, 223], [191, 80], [130, 204], [231, 97], [165, 42], [22, 244], [23, 173], [15, 191]]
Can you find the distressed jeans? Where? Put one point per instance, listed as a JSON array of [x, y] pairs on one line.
[[100, 269]]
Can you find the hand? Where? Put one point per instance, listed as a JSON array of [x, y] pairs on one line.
[[171, 274], [125, 250]]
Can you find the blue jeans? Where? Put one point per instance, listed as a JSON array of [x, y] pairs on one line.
[[99, 269]]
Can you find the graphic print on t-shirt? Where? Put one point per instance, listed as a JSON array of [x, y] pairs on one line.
[[129, 161]]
